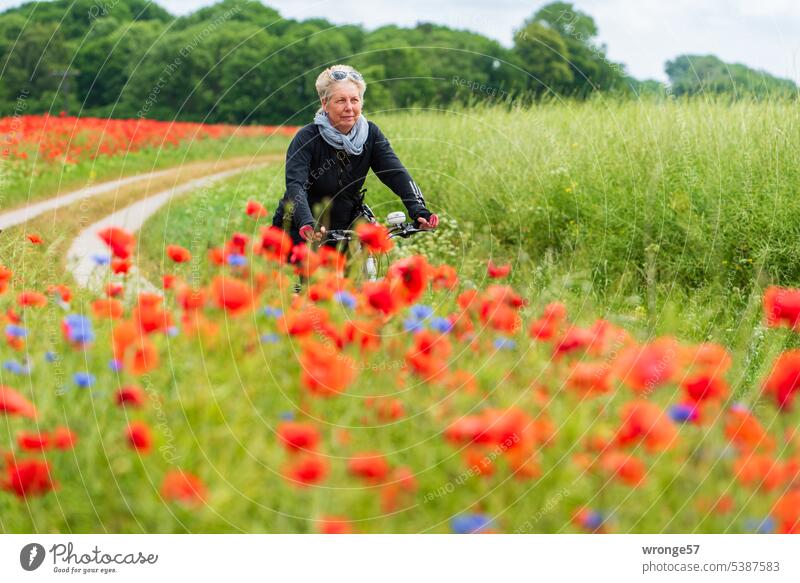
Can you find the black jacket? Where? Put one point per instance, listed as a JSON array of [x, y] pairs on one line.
[[323, 184]]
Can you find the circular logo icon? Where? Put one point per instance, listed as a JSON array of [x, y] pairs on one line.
[[31, 556]]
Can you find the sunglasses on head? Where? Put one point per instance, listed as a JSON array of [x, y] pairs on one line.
[[339, 75]]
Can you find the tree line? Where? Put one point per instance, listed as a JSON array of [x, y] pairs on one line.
[[239, 61]]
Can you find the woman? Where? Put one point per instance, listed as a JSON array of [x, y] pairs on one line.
[[328, 160]]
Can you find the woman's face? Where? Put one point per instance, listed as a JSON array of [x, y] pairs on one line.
[[343, 106]]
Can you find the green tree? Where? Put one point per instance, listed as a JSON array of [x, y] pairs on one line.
[[589, 65], [545, 56], [692, 75]]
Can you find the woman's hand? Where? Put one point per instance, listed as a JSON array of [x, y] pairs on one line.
[[428, 224], [307, 233]]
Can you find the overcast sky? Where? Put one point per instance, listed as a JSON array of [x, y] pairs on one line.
[[642, 34]]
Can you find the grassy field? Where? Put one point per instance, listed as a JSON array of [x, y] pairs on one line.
[[664, 220]]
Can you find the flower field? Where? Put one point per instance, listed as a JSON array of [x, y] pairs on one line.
[[44, 154], [550, 360], [418, 403]]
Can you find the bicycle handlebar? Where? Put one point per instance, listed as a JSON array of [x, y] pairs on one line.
[[404, 230]]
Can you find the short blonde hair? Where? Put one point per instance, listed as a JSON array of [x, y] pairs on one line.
[[325, 83]]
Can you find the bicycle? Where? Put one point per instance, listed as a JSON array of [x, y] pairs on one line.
[[398, 227]]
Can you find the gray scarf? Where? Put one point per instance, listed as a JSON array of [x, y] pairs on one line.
[[352, 143]]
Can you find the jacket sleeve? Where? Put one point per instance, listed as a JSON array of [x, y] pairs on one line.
[[298, 167], [387, 166]]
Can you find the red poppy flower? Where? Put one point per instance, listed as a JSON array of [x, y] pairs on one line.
[[32, 299], [255, 209], [5, 276], [745, 431], [646, 422], [546, 327], [378, 295], [144, 357], [114, 290], [590, 378], [409, 278], [149, 315], [107, 309], [31, 441], [444, 277], [784, 378], [298, 436], [216, 256], [168, 281], [759, 471], [179, 254], [705, 386], [120, 266], [301, 323], [139, 436], [181, 486], [191, 299], [643, 368], [25, 478], [375, 236], [63, 438], [468, 300], [782, 307], [35, 238], [12, 403], [498, 271], [707, 357], [306, 469], [334, 525], [787, 511], [123, 336], [275, 244], [130, 396], [62, 291], [120, 241], [627, 468], [428, 357], [234, 295], [325, 373], [372, 466]]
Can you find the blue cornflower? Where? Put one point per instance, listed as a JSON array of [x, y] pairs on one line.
[[504, 344], [764, 526], [269, 338], [470, 523], [115, 365], [101, 259], [412, 325], [50, 356], [681, 413], [346, 299], [16, 331], [421, 311], [440, 324], [236, 260], [79, 329], [287, 415], [83, 379], [271, 312], [592, 520], [15, 367]]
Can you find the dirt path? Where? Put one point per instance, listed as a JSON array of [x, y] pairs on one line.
[[87, 245], [62, 220]]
